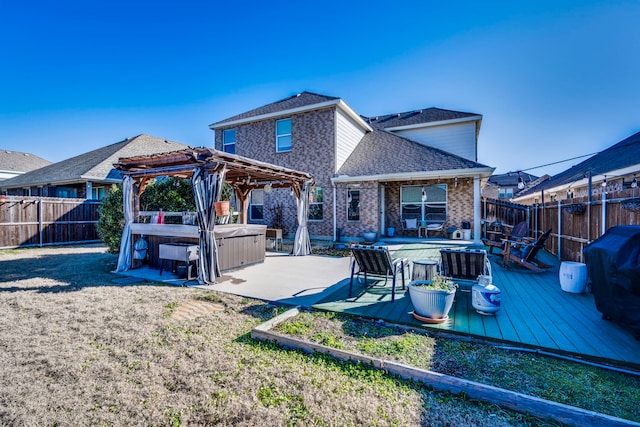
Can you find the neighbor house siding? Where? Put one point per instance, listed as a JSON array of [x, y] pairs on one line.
[[459, 138], [348, 135]]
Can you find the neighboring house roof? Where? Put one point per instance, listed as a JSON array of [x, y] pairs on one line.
[[614, 160], [18, 162], [300, 100], [382, 153], [416, 117], [510, 179], [96, 165]]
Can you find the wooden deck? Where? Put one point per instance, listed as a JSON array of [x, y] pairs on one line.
[[535, 313]]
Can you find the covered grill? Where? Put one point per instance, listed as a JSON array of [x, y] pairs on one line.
[[613, 266]]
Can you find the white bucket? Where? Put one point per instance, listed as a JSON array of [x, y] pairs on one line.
[[466, 234], [573, 276]]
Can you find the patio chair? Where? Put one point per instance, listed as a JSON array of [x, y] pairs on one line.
[[376, 261], [435, 223], [525, 252], [464, 264], [498, 240], [410, 223]]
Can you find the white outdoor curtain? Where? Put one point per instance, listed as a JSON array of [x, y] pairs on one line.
[[124, 258], [207, 189], [301, 243]]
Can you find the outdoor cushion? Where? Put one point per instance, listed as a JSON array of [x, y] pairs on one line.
[[411, 223]]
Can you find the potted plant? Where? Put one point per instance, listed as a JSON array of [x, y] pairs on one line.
[[432, 299], [222, 206]]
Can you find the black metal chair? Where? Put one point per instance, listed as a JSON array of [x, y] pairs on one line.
[[464, 264], [376, 261]]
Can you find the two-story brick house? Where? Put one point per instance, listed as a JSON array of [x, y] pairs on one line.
[[370, 172]]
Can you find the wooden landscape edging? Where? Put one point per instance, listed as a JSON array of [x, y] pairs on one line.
[[566, 414]]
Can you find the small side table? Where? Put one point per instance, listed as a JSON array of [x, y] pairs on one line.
[[424, 269], [422, 228]]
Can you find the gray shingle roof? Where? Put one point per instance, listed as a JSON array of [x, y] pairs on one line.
[[17, 161], [511, 179], [623, 154], [381, 152], [296, 101], [426, 115], [96, 165]]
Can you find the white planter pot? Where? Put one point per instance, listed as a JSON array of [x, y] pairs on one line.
[[431, 303]]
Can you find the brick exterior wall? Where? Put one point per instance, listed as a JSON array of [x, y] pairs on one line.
[[459, 202], [369, 206], [312, 151]]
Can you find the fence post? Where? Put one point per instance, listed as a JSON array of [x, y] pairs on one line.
[[40, 222], [604, 213], [559, 229]]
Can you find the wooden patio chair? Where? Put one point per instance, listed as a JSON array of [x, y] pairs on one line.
[[376, 261], [525, 252], [464, 264], [520, 230]]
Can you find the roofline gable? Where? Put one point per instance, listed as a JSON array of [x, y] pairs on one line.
[[334, 102], [436, 123]]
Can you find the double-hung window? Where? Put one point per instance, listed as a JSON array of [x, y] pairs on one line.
[[229, 141], [424, 202], [256, 205], [315, 204], [505, 193], [283, 135]]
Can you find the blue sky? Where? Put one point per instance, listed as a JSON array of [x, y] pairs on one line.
[[552, 79]]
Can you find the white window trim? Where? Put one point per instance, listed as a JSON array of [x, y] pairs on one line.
[[278, 150], [251, 204], [347, 201], [424, 205], [316, 203], [225, 144]]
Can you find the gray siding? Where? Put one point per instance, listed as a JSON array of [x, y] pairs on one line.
[[458, 138], [348, 135]]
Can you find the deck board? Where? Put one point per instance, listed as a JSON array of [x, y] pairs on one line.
[[535, 312]]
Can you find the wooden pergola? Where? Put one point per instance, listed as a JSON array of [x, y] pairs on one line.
[[242, 173], [208, 169]]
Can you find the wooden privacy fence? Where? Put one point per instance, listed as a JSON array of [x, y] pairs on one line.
[[41, 221], [574, 223]]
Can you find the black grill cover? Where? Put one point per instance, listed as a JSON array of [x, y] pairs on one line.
[[613, 265]]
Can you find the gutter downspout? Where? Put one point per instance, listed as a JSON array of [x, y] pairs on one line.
[[335, 210]]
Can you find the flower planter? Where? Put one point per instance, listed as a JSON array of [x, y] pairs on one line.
[[370, 236], [222, 208], [431, 304]]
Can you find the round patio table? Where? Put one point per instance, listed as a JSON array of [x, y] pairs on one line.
[[424, 269]]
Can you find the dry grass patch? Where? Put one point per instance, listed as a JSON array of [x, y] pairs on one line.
[[78, 349], [567, 382]]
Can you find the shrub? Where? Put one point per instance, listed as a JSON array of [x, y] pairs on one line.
[[111, 219]]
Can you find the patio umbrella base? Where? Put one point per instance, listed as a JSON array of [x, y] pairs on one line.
[[429, 319]]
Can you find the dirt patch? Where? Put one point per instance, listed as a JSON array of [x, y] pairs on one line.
[[193, 309]]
